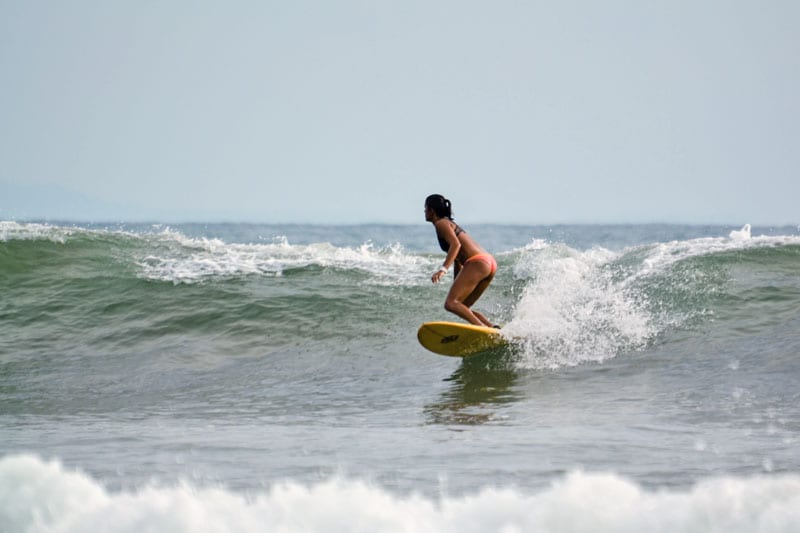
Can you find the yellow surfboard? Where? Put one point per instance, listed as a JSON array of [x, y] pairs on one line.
[[458, 340]]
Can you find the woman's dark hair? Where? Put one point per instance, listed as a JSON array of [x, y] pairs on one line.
[[440, 205]]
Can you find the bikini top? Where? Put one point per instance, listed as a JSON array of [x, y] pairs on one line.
[[443, 244]]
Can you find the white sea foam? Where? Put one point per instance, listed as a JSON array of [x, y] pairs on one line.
[[181, 259], [741, 235], [664, 255], [571, 309], [38, 496], [10, 231], [577, 307], [169, 255], [33, 231]]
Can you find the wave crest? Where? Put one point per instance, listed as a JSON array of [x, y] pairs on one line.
[[180, 259], [588, 306], [164, 254], [38, 496]]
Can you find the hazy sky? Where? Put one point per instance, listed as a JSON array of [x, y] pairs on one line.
[[353, 111]]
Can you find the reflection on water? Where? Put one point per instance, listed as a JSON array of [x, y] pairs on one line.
[[480, 385]]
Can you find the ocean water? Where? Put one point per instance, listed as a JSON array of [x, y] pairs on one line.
[[268, 378]]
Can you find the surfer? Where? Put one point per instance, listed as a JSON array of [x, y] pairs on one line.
[[474, 268]]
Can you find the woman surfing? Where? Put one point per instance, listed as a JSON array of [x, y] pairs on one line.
[[474, 267]]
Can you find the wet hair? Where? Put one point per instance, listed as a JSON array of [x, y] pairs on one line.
[[440, 205]]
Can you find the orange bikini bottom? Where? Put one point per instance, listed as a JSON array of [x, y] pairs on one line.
[[486, 258]]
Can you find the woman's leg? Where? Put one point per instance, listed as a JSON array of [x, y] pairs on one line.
[[468, 286], [472, 298]]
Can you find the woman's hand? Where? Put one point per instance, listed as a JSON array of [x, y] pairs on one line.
[[437, 276]]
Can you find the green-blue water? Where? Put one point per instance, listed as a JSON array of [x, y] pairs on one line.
[[260, 359]]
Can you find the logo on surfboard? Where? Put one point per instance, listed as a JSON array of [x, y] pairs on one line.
[[449, 339]]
